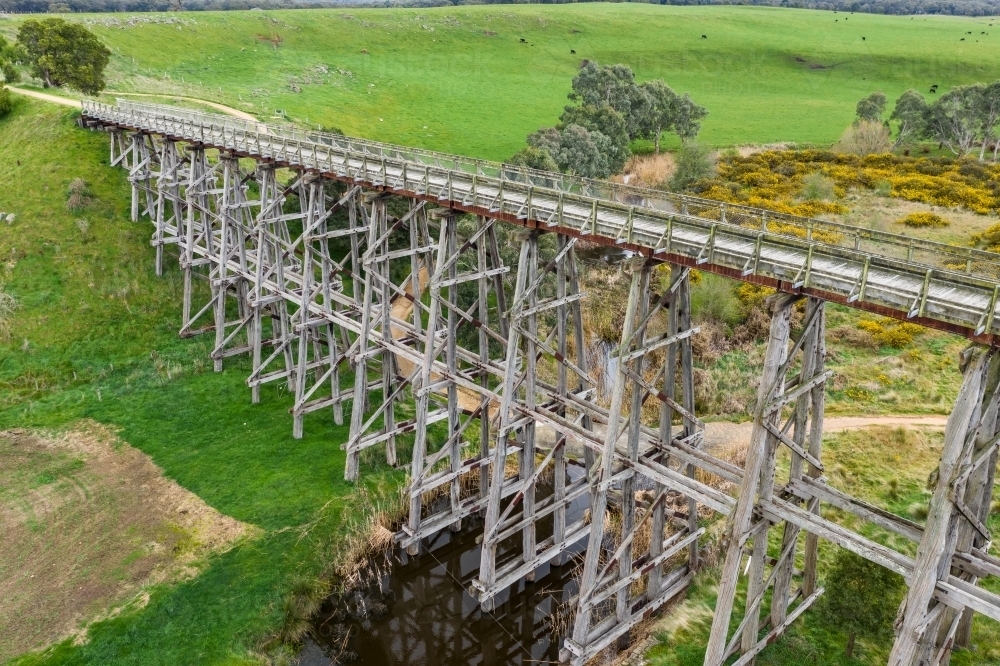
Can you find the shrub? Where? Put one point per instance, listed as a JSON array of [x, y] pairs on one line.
[[862, 597], [883, 188], [989, 239], [9, 71], [650, 170], [714, 299], [534, 158], [79, 195], [923, 220], [888, 333], [752, 295], [6, 101], [817, 187], [693, 163], [8, 306], [856, 337], [865, 138]]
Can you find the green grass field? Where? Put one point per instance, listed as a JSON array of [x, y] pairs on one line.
[[96, 337], [459, 80]]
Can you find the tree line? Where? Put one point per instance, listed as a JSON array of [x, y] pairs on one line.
[[895, 7], [592, 136], [966, 119]]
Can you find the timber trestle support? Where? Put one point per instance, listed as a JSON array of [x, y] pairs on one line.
[[453, 299]]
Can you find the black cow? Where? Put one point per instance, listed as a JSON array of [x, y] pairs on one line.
[[704, 36]]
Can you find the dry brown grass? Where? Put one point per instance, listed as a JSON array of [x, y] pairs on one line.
[[648, 170], [8, 306], [864, 138], [88, 523], [869, 210], [753, 148]]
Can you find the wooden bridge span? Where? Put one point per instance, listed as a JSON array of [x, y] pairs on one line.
[[417, 305]]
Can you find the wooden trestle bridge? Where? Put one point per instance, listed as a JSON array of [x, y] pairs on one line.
[[419, 308]]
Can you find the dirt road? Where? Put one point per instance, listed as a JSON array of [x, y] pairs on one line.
[[65, 101], [723, 436], [45, 97]]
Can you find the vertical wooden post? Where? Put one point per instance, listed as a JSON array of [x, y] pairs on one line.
[[487, 567], [818, 399], [483, 284], [599, 502], [759, 457], [526, 466], [808, 416]]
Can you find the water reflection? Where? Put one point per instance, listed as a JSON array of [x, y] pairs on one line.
[[417, 611]]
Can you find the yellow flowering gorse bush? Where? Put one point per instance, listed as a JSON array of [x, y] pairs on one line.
[[773, 180]]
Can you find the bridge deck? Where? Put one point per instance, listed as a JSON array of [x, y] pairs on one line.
[[940, 286]]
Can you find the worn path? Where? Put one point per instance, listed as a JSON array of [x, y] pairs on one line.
[[66, 101]]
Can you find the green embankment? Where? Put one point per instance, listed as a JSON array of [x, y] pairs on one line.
[[459, 79], [96, 337]]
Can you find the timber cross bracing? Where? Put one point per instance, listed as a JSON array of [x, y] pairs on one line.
[[481, 366]]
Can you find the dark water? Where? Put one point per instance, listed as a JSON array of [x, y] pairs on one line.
[[417, 611], [601, 254]]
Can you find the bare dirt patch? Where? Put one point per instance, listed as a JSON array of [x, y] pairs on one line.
[[88, 522]]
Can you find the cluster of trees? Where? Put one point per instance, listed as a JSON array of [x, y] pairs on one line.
[[59, 53], [592, 136], [964, 119], [98, 6], [898, 7]]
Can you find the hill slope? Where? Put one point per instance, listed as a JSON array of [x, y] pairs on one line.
[[459, 79]]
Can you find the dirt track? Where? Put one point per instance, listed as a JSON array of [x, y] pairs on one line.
[[65, 101], [723, 435]]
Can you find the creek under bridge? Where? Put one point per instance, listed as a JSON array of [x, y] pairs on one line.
[[436, 328]]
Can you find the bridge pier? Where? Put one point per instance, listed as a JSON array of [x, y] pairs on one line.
[[624, 581], [750, 521], [169, 218], [929, 620], [512, 357], [546, 284], [443, 484]]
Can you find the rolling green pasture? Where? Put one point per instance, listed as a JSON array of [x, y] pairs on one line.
[[460, 80]]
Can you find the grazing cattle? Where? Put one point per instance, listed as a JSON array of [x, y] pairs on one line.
[[524, 41], [962, 40], [704, 36], [862, 39], [572, 50]]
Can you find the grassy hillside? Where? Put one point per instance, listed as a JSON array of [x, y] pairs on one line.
[[95, 337], [459, 79]]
